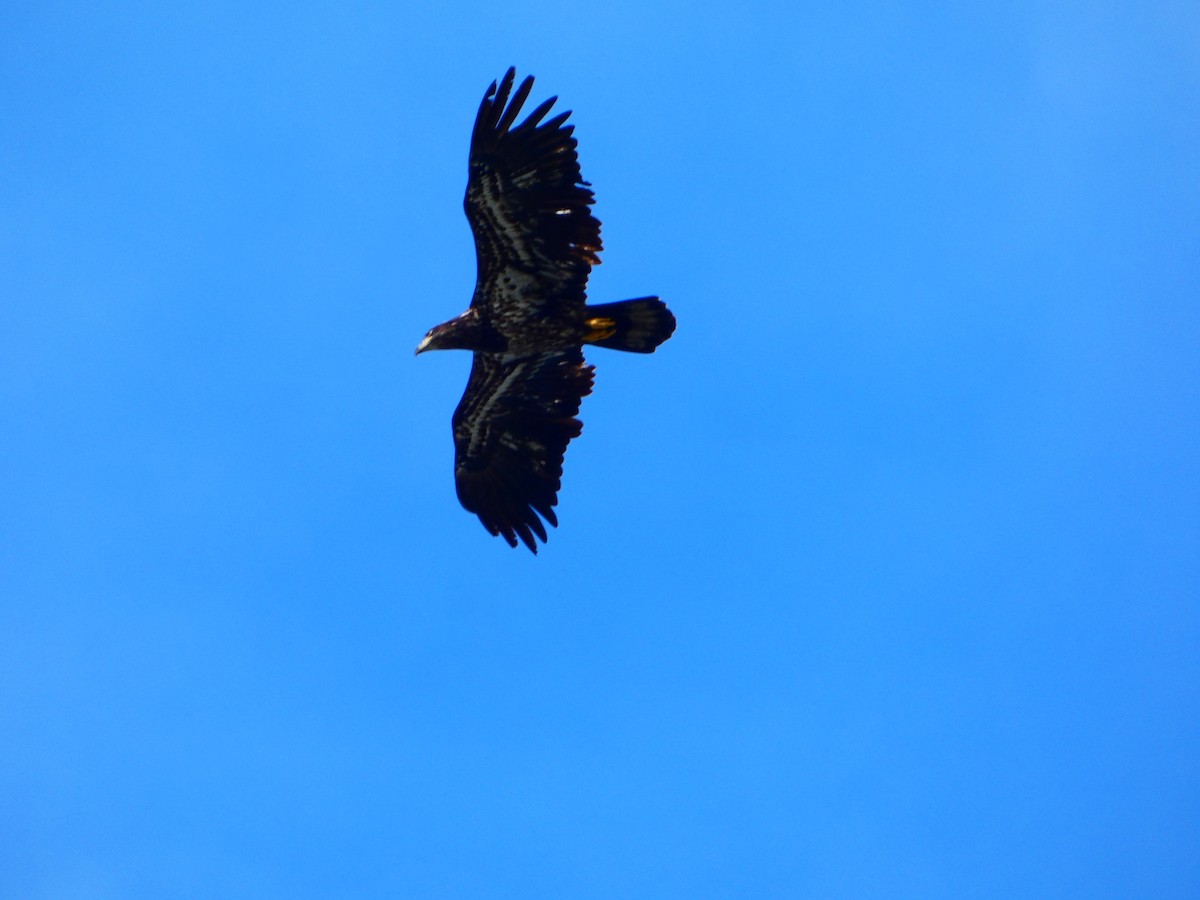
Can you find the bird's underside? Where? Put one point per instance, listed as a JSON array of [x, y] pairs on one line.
[[535, 241]]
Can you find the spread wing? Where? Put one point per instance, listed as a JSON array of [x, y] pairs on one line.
[[535, 236], [510, 432]]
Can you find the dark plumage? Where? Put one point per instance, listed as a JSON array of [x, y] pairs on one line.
[[535, 243]]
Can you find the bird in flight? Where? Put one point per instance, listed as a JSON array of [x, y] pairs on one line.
[[536, 241]]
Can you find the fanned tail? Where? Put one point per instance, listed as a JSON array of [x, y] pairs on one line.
[[635, 325]]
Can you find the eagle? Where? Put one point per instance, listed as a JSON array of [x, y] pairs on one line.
[[536, 241]]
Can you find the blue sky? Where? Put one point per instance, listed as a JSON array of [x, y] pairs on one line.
[[880, 579]]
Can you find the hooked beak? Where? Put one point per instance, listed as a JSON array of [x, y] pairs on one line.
[[421, 347]]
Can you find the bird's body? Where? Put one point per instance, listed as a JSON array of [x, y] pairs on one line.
[[535, 243]]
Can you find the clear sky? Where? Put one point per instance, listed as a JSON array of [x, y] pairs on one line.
[[880, 579]]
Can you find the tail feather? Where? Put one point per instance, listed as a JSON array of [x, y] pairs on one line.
[[635, 325]]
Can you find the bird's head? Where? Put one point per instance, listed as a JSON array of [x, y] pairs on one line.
[[467, 332], [430, 342], [436, 338]]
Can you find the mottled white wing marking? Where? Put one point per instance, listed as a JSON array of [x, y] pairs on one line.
[[501, 217], [480, 414]]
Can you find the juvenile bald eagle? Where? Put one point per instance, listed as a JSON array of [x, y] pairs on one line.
[[536, 240]]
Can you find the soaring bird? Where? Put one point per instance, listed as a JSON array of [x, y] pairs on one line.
[[536, 241]]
